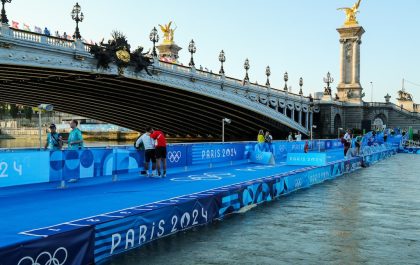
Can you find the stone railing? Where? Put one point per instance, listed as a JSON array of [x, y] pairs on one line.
[[34, 37], [233, 82], [391, 105]]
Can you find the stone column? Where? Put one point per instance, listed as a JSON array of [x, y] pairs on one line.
[[358, 60], [342, 61], [354, 70], [300, 117], [311, 122], [293, 114], [307, 121]]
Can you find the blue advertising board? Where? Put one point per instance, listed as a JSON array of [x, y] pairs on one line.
[[24, 168], [134, 231], [215, 153], [73, 247], [306, 159]]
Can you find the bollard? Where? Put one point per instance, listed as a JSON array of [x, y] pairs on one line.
[[114, 177], [62, 184]]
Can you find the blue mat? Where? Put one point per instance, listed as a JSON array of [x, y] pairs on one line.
[[29, 207]]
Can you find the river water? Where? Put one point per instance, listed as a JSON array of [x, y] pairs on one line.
[[369, 217]]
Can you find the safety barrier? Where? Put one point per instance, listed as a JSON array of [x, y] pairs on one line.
[[29, 166]]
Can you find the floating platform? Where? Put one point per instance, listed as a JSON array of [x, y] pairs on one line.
[[96, 218]]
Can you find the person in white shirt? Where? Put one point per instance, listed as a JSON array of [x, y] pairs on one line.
[[298, 136], [149, 151], [347, 141], [290, 137]]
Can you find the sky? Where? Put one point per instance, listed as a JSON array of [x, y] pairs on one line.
[[297, 36]]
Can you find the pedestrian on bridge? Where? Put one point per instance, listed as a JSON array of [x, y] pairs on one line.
[[160, 142], [75, 140]]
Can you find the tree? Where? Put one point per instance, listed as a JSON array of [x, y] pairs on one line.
[[14, 110], [3, 110], [28, 113]]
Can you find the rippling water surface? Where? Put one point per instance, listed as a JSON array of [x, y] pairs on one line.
[[368, 217]]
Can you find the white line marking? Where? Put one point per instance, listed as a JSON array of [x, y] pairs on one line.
[[147, 205]]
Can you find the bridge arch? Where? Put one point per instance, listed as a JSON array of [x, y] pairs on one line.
[[379, 121], [338, 123]]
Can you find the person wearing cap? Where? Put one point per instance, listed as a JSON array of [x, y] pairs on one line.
[[54, 139], [75, 140]]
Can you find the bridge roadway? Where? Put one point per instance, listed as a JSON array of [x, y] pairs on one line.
[[180, 100]]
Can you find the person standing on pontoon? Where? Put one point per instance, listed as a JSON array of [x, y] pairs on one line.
[[161, 152], [149, 151], [75, 140], [347, 141]]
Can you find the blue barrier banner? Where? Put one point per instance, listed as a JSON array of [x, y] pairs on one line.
[[127, 160], [265, 158], [19, 168], [132, 232], [306, 159], [216, 153], [176, 156], [70, 248]]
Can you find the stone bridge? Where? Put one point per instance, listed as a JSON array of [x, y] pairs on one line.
[[35, 69], [335, 115]]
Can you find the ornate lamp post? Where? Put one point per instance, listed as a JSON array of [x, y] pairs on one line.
[[77, 15], [267, 73], [328, 80], [154, 37], [286, 78], [192, 49], [222, 59], [4, 19], [300, 84], [246, 66]]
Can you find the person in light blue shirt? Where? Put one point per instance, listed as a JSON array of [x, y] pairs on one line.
[[54, 139], [75, 140]]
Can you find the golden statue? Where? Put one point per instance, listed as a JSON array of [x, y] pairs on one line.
[[168, 33], [351, 14]]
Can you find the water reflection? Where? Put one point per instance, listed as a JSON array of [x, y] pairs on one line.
[[371, 216]]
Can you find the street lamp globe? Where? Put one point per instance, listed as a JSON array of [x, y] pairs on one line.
[[222, 59], [268, 73], [192, 49]]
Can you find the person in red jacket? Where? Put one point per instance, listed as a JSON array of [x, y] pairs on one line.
[[160, 151]]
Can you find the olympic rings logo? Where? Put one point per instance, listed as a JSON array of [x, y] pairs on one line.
[[298, 183], [205, 177], [174, 156], [259, 156], [46, 258]]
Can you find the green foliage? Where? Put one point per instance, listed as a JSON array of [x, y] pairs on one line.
[[3, 110], [28, 113], [14, 110]]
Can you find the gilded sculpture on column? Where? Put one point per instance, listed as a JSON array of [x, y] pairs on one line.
[[168, 33], [351, 12]]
